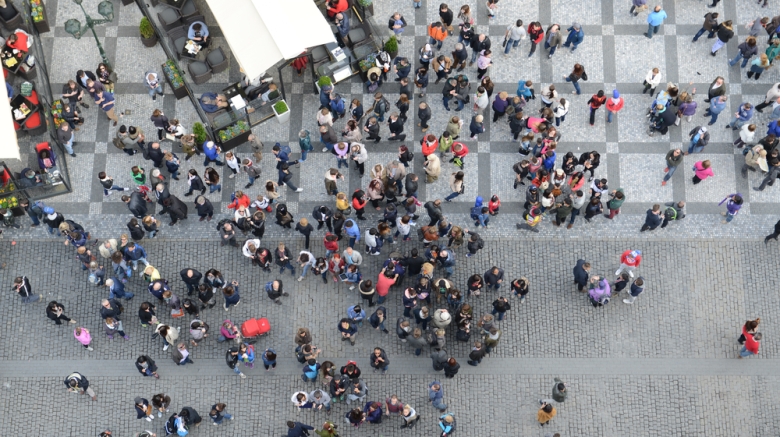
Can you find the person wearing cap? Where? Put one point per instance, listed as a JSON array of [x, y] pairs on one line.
[[614, 105], [699, 139], [629, 261], [576, 35], [52, 220], [212, 153], [143, 409]]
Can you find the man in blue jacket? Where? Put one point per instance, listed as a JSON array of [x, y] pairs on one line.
[[298, 429], [581, 273], [134, 252], [576, 35], [336, 106]]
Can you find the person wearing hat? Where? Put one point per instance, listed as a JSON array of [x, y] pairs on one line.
[[614, 105], [52, 220], [629, 261], [143, 409], [576, 35]]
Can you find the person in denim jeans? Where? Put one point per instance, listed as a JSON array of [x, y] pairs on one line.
[[218, 414], [306, 261], [436, 395], [134, 253], [513, 36], [746, 51], [699, 139]]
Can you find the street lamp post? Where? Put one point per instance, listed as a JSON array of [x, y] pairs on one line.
[[74, 27]]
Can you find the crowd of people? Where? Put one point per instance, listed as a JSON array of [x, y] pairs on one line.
[[430, 299]]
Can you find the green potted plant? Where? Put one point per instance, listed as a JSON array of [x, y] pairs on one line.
[[368, 5], [148, 37], [391, 47], [199, 131], [322, 81], [281, 111]]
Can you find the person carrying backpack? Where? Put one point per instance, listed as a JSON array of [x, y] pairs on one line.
[[380, 107], [673, 211]]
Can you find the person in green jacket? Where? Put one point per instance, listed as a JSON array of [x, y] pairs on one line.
[[773, 51], [616, 199], [328, 430], [139, 175]]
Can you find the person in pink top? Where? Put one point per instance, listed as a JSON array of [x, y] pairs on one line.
[[629, 261], [83, 336], [614, 105], [534, 122], [702, 170]]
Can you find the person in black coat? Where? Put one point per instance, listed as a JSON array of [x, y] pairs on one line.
[[434, 211], [396, 126], [773, 235], [143, 409], [195, 183], [581, 274], [156, 154], [372, 128], [176, 209], [191, 278], [305, 228], [451, 368], [423, 115], [146, 313], [136, 231], [324, 217], [146, 366], [110, 308], [190, 416], [136, 204], [413, 263], [56, 312], [653, 219], [204, 208]]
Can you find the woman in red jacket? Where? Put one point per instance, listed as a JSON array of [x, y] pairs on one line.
[[336, 266], [536, 35], [336, 6], [359, 203], [429, 144], [493, 205]]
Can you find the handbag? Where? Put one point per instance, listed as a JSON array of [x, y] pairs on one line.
[[584, 76], [503, 44]]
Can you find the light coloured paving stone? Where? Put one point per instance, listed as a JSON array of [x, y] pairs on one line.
[[653, 56], [633, 124], [576, 128], [502, 177], [565, 12], [441, 188], [712, 189], [80, 172], [693, 13], [706, 68], [640, 178], [313, 176], [77, 52], [272, 131], [769, 195], [133, 60], [589, 53], [517, 65]]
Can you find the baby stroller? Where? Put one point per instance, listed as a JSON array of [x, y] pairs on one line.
[[253, 329]]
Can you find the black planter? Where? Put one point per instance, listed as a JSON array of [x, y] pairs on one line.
[[128, 2], [43, 25], [235, 142], [150, 42], [180, 92]]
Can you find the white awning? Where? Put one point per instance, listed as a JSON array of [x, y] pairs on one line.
[[261, 32], [9, 147]]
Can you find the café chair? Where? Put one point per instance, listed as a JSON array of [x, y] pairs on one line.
[[319, 55], [193, 19], [169, 18], [356, 36], [178, 37], [200, 72], [189, 10], [34, 124], [217, 60], [14, 20]]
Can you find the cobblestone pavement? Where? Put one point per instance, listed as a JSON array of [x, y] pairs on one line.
[[668, 360], [663, 367]]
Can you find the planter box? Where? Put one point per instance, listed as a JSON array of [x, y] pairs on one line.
[[43, 25], [180, 92], [235, 141], [282, 118]]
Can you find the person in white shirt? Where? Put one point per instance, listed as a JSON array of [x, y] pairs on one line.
[[513, 35]]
